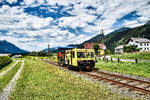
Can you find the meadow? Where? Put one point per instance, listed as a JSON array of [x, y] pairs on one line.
[[140, 69], [41, 81]]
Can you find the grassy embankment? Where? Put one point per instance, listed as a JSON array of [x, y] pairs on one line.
[[6, 67], [140, 69], [5, 79], [139, 55], [41, 81]]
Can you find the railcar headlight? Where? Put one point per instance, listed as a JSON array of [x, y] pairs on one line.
[[95, 61]]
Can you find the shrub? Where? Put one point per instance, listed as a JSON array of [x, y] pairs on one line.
[[4, 60]]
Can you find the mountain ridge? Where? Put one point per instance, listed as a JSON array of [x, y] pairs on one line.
[[7, 47]]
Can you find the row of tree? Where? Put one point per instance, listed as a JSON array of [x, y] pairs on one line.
[[40, 53]]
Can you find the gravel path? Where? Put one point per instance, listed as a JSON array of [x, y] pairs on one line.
[[4, 72], [7, 90]]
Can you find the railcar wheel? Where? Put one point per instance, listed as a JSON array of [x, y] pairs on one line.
[[69, 67], [91, 68]]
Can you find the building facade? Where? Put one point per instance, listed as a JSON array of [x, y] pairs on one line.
[[101, 50], [119, 49], [142, 43]]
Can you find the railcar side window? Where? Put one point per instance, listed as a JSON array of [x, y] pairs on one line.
[[81, 54]]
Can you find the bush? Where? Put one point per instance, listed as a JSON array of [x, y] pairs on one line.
[[130, 48], [4, 60]]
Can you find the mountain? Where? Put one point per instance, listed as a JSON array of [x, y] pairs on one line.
[[121, 36], [56, 48], [148, 23], [98, 38], [7, 47], [51, 49]]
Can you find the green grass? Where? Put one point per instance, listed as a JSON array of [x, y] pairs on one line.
[[6, 67], [140, 69], [139, 55], [41, 81], [5, 79]]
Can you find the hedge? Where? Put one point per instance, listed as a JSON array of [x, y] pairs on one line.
[[4, 60]]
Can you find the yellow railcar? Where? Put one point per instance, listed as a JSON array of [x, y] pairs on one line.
[[80, 59]]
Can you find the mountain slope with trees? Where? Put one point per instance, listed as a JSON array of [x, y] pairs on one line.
[[121, 37]]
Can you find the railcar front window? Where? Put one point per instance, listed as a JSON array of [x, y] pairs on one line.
[[81, 54], [90, 55]]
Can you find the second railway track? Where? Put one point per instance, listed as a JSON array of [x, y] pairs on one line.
[[122, 81]]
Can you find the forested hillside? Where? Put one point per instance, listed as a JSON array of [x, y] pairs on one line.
[[120, 37]]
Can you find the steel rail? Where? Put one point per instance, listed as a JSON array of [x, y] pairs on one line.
[[123, 77], [117, 82]]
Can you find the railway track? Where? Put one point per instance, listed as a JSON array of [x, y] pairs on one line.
[[121, 81]]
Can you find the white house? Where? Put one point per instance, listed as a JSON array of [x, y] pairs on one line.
[[119, 49], [142, 43]]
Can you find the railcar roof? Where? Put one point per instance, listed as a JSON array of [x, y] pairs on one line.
[[77, 49]]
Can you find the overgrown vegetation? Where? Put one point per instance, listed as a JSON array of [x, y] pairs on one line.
[[41, 81], [130, 48], [6, 67], [4, 60], [5, 79], [140, 69], [140, 55]]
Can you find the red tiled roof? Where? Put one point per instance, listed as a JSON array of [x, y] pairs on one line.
[[90, 45]]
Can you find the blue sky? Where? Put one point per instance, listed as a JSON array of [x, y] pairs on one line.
[[33, 24]]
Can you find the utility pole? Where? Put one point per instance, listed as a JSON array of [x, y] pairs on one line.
[[102, 36], [48, 50]]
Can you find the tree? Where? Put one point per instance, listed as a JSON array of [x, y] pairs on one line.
[[42, 53], [109, 52], [96, 48], [34, 53], [130, 48]]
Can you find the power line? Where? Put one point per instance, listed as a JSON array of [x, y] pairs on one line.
[[109, 29]]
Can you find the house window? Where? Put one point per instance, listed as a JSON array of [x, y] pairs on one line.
[[140, 44], [145, 48], [145, 44]]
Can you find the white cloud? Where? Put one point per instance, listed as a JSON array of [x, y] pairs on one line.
[[30, 27], [11, 1]]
